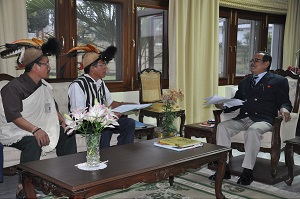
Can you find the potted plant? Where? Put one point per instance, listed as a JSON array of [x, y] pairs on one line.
[[170, 99]]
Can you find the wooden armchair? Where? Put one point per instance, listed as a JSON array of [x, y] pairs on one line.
[[272, 142], [150, 91]]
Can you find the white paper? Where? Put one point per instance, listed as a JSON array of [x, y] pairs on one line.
[[130, 107], [229, 102], [175, 148]]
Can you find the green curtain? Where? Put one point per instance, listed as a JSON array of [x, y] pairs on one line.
[[194, 52], [13, 26], [291, 34]]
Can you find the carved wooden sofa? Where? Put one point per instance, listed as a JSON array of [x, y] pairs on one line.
[[12, 155]]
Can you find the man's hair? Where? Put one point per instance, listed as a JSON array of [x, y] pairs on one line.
[[87, 69], [29, 66], [266, 57]]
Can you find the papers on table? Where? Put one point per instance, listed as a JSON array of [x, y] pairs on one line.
[[178, 143], [229, 102], [139, 124], [175, 148], [130, 107], [206, 124]]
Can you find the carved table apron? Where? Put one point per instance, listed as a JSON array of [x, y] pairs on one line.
[[127, 164]]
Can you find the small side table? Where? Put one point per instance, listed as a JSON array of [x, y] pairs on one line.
[[200, 132], [147, 131], [292, 145]]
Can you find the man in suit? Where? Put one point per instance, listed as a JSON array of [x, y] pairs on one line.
[[264, 95]]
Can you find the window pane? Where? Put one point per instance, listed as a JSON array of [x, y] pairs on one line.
[[150, 38], [247, 44], [40, 16], [223, 32], [275, 44], [99, 24]]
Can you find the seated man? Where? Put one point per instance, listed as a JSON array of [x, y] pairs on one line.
[[83, 91], [29, 119], [264, 94]]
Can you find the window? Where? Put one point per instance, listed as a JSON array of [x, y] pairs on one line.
[[150, 38], [241, 34], [103, 23], [99, 23], [41, 24]]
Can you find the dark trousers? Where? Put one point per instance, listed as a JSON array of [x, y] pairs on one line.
[[125, 129], [31, 151]]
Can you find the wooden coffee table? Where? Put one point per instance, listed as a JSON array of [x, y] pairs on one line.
[[127, 165]]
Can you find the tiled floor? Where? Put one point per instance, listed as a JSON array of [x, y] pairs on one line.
[[8, 187]]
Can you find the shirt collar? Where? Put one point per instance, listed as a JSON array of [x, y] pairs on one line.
[[98, 83], [260, 76]]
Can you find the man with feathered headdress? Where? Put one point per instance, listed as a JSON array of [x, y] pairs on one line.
[[29, 120], [90, 85]]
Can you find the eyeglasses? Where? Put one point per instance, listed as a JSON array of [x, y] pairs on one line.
[[255, 60], [102, 64], [46, 64]]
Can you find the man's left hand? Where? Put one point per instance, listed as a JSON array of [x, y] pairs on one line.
[[286, 116]]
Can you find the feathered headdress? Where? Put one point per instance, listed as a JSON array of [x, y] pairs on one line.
[[30, 50], [92, 54]]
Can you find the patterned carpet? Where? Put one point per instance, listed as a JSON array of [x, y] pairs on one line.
[[194, 185]]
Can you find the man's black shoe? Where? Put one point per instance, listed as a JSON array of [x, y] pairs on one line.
[[246, 178], [227, 176], [21, 194]]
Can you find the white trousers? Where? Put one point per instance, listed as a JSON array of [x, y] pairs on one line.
[[252, 137]]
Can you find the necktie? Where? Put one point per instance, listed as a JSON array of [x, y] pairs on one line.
[[253, 80]]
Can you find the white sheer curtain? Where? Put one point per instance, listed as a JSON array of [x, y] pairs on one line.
[[193, 53], [13, 26], [291, 34]]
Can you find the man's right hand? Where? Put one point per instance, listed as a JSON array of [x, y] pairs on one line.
[[219, 105], [42, 138]]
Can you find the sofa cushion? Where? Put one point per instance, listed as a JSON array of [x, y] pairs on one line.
[[60, 93]]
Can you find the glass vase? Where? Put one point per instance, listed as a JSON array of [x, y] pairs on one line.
[[93, 150]]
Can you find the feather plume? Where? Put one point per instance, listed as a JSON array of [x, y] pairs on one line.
[[51, 47], [109, 53]]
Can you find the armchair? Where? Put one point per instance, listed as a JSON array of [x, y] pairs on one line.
[[272, 142], [150, 91]]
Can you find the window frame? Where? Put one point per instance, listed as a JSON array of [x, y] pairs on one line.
[[232, 15], [66, 32]]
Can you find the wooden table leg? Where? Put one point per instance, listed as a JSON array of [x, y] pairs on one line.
[[289, 158], [28, 186], [182, 121], [141, 117], [171, 180], [220, 176]]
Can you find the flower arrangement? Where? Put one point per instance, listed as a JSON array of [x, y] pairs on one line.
[[91, 122], [170, 99]]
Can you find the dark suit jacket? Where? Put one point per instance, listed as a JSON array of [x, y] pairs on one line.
[[264, 100]]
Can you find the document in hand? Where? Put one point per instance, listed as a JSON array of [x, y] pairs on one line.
[[229, 102], [130, 107]]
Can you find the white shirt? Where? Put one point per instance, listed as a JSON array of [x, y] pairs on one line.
[[77, 97]]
